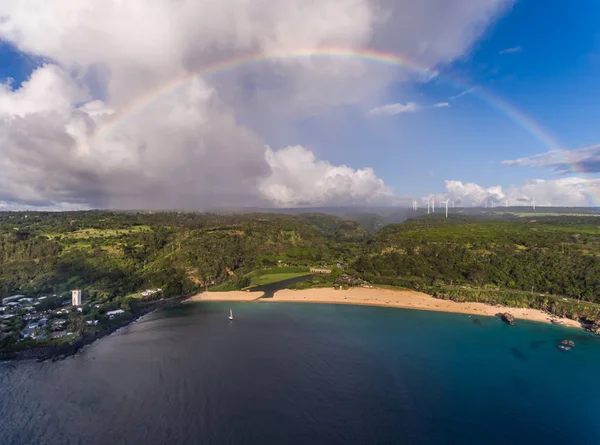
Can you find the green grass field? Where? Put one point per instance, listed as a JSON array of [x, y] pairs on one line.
[[275, 277]]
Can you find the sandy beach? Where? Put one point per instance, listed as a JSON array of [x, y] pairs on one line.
[[226, 296], [407, 300], [382, 297]]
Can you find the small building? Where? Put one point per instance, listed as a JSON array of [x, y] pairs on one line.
[[13, 304], [91, 322], [76, 297], [25, 300], [13, 298], [31, 317], [3, 308], [113, 314], [58, 324], [319, 270]]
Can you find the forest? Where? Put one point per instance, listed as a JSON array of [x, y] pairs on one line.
[[112, 254], [496, 256]]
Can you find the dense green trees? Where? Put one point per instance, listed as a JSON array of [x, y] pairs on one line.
[[114, 254], [550, 255], [111, 254]]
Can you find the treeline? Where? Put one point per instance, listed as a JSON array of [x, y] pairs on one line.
[[545, 255], [111, 254]]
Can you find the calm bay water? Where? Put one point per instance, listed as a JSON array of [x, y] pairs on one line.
[[310, 374]]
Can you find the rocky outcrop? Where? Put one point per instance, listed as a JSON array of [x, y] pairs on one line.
[[595, 328], [566, 345], [508, 318]]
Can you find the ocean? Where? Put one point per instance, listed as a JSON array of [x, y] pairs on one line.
[[284, 373]]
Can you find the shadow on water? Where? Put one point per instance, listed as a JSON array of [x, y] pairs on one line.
[[520, 385], [537, 343], [518, 354], [270, 289]]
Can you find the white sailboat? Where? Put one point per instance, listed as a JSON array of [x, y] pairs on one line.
[[230, 314]]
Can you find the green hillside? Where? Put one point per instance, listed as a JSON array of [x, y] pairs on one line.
[[112, 253], [511, 261]]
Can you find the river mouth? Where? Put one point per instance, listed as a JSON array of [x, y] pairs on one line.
[[270, 289]]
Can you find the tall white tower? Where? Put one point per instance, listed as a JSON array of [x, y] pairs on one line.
[[76, 297]]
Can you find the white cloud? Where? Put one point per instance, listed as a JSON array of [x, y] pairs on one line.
[[585, 160], [298, 178], [398, 108], [463, 93], [471, 194], [66, 135], [393, 109], [568, 192], [513, 50]]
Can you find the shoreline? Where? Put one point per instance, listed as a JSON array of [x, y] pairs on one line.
[[402, 299], [357, 296], [408, 299], [63, 351]]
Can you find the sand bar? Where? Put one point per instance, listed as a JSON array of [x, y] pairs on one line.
[[407, 300], [226, 296]]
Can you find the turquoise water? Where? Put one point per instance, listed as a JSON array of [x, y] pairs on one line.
[[285, 373]]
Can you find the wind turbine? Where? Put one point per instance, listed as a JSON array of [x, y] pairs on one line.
[[533, 203], [433, 204], [446, 202], [428, 206], [506, 202]]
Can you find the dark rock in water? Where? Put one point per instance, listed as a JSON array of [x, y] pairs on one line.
[[595, 328], [566, 345], [508, 318]]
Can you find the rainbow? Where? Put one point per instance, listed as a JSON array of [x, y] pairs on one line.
[[140, 103], [511, 112]]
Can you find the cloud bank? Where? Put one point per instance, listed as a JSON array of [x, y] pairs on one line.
[[567, 192], [299, 179], [67, 138]]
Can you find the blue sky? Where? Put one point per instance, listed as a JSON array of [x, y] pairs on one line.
[[543, 60], [552, 77]]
